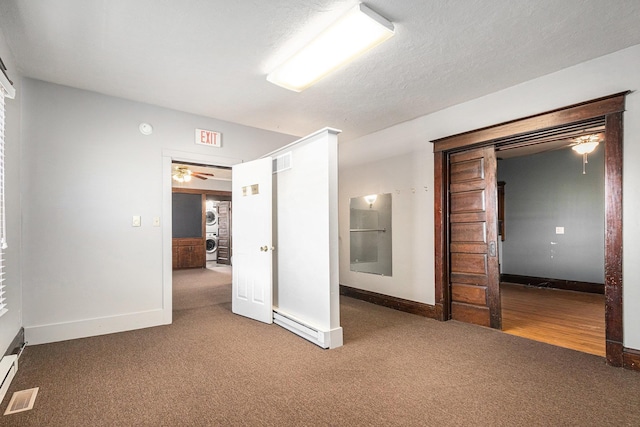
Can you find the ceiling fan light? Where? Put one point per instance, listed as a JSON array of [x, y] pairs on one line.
[[181, 174], [585, 147]]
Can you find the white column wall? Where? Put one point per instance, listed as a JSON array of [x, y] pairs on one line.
[[305, 213]]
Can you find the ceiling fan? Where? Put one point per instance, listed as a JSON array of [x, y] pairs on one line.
[[184, 174], [585, 144]]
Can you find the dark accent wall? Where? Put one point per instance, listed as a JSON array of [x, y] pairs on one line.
[[187, 215], [545, 191]]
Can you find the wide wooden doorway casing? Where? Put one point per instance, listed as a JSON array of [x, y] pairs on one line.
[[540, 129]]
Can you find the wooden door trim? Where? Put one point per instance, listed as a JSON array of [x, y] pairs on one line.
[[610, 108], [613, 238], [441, 235], [563, 116]]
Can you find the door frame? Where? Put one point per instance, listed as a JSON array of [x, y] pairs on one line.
[[606, 110], [168, 157]]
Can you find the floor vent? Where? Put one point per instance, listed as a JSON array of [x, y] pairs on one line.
[[22, 401]]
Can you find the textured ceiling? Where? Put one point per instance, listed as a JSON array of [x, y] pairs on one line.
[[210, 57]]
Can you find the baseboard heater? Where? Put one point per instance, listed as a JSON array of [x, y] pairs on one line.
[[300, 328], [8, 369]]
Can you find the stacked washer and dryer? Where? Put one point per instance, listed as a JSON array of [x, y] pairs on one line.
[[212, 229]]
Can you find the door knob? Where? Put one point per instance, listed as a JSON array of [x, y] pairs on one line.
[[264, 248]]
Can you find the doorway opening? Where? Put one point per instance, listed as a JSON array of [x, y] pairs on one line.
[[214, 179], [460, 159], [201, 234], [551, 244]]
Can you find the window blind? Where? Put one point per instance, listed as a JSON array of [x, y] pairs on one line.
[[6, 91], [3, 228]]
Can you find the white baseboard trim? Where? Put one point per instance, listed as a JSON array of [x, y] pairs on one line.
[[334, 337], [331, 338], [43, 334]]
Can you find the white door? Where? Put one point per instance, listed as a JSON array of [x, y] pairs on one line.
[[252, 250]]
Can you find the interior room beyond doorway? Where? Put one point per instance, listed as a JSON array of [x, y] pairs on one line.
[[551, 226], [198, 272], [201, 216]]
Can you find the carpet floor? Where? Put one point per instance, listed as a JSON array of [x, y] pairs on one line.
[[213, 368]]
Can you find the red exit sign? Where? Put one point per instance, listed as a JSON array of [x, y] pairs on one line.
[[208, 137]]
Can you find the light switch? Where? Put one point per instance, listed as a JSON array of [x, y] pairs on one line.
[[559, 230], [136, 221], [156, 221]]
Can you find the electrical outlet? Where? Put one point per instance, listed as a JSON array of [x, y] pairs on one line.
[[156, 221], [559, 230], [136, 221]]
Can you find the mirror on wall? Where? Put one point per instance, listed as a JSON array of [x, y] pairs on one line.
[[370, 234]]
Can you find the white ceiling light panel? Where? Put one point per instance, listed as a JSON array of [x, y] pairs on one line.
[[357, 31]]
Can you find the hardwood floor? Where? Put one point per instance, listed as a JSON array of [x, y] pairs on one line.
[[564, 318]]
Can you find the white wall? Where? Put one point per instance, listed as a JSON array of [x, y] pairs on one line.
[[405, 177], [306, 216], [86, 171], [11, 321], [607, 75]]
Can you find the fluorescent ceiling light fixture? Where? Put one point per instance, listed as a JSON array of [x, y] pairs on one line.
[[355, 32]]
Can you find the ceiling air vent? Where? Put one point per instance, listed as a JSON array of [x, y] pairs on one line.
[[282, 163]]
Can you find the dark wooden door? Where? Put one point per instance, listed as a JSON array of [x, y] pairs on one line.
[[224, 233], [474, 275]]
